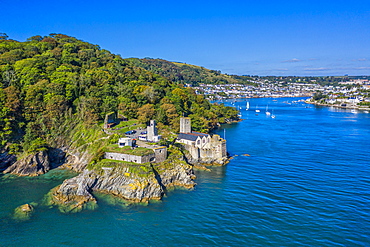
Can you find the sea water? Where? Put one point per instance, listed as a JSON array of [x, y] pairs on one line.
[[299, 179]]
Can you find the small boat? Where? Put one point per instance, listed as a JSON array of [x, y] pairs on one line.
[[366, 111], [257, 109], [272, 115], [247, 106], [267, 111], [353, 111]]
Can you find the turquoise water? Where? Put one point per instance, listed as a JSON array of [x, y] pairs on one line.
[[305, 183]]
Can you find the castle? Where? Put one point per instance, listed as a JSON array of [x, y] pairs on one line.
[[203, 148]]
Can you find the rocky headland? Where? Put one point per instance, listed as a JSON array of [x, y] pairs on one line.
[[139, 183], [132, 182]]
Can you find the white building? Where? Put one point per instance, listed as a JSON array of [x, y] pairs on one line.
[[152, 132], [123, 142]]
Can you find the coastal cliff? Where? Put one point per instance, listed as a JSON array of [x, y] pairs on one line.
[[39, 163], [31, 165], [6, 160]]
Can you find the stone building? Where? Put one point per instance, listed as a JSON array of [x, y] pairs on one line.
[[130, 158], [110, 120], [152, 132], [158, 155], [203, 148]]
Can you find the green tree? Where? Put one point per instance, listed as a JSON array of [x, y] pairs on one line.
[[146, 113]]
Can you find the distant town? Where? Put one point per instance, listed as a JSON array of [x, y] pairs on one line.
[[353, 92]]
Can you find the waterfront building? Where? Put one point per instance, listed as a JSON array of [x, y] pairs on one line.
[[202, 147]]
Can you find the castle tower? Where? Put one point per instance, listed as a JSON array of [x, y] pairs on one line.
[[151, 130], [185, 125]]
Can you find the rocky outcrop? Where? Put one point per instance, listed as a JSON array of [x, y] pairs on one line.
[[6, 160], [203, 163], [75, 159], [23, 212], [73, 195], [124, 181], [31, 165], [176, 174]]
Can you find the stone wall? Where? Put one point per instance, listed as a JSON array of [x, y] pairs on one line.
[[160, 154], [215, 151], [219, 147], [130, 158]]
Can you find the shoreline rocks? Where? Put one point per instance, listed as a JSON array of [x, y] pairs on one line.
[[356, 107], [31, 165], [6, 160], [23, 212], [75, 194]]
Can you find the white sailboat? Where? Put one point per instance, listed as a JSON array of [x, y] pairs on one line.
[[247, 106], [272, 115], [267, 111]]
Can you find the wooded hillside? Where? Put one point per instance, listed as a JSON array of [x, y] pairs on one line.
[[49, 82]]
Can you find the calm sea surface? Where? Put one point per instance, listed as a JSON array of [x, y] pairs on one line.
[[305, 183]]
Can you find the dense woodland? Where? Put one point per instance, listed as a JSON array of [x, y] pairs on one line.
[[188, 74], [50, 83]]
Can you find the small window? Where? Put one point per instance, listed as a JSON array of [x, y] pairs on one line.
[[198, 142]]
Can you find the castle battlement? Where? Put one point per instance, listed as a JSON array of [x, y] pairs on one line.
[[203, 148]]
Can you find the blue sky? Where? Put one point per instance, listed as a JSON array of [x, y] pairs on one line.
[[236, 37]]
